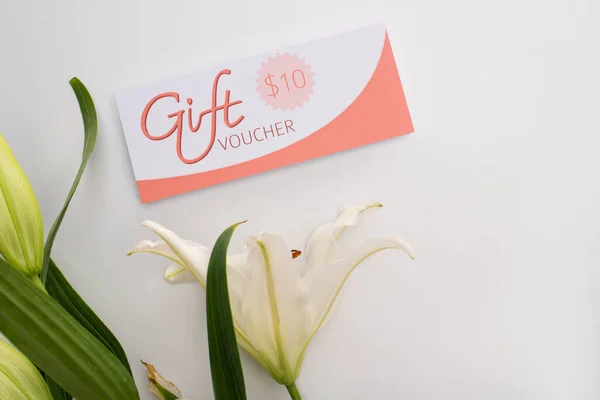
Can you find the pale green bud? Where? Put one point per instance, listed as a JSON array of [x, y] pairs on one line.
[[19, 378], [21, 226]]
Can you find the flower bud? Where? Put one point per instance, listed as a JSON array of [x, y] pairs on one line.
[[21, 226], [19, 378]]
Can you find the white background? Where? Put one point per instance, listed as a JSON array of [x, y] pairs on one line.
[[497, 190]]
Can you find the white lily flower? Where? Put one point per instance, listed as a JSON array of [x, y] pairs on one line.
[[277, 307]]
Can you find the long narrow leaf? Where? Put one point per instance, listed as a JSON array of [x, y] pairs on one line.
[[61, 290], [90, 129], [56, 391], [54, 341], [225, 365]]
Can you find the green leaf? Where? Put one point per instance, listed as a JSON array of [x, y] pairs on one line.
[[54, 341], [225, 365], [61, 290], [56, 391], [90, 129]]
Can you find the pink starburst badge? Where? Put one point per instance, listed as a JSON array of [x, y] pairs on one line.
[[285, 82]]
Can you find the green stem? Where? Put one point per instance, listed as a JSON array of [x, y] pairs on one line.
[[293, 391]]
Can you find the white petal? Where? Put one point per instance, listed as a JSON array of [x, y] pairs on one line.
[[322, 247], [238, 262], [178, 274], [275, 304], [194, 256], [348, 216], [333, 310], [324, 284], [235, 285], [258, 321], [159, 247]]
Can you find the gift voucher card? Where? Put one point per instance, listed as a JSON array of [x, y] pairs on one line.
[[264, 112]]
